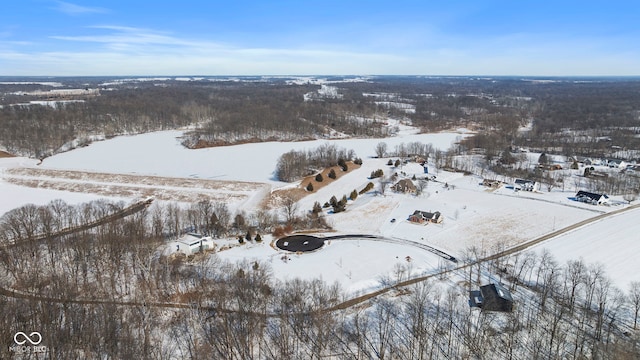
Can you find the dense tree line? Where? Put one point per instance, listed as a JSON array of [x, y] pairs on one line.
[[569, 116], [599, 113], [279, 112], [295, 164], [224, 112], [97, 294]]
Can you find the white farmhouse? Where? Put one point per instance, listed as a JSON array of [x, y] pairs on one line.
[[526, 185], [617, 163], [190, 244]]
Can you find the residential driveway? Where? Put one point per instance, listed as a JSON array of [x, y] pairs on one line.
[[304, 243]]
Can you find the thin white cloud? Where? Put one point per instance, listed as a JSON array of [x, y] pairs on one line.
[[122, 35], [74, 9], [120, 50]]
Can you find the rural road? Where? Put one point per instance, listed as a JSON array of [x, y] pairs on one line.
[[344, 305], [129, 210]]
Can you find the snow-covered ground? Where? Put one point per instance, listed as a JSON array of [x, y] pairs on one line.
[[161, 154], [490, 220], [13, 196], [357, 265], [473, 215], [612, 242]]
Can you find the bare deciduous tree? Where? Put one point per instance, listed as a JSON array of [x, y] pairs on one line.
[[381, 149], [634, 296], [289, 209]]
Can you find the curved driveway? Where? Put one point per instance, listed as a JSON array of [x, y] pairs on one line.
[[345, 304]]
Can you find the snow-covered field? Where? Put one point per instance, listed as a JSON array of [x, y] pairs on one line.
[[357, 265], [13, 196], [612, 242], [242, 175], [473, 215], [161, 154]]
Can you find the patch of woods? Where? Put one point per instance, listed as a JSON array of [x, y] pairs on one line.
[[296, 164], [30, 222], [40, 130], [221, 113], [594, 119], [107, 291], [573, 117]]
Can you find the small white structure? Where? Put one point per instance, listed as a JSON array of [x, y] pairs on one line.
[[632, 169], [617, 163], [526, 185], [190, 244]]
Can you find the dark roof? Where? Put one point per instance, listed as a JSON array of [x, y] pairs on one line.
[[475, 298], [524, 181], [492, 297], [590, 195], [497, 290], [427, 215]]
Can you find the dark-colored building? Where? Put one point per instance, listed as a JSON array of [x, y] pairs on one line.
[[591, 198], [492, 297]]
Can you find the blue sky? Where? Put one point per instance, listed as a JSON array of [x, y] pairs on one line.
[[243, 37]]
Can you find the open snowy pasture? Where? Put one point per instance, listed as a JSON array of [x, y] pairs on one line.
[[136, 186], [157, 164], [162, 154], [612, 242], [13, 196], [358, 265], [473, 214], [471, 218]]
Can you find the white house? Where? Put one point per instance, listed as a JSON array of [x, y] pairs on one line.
[[617, 163], [632, 169], [190, 244], [526, 185]]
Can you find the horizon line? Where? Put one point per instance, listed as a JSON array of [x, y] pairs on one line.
[[320, 75]]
